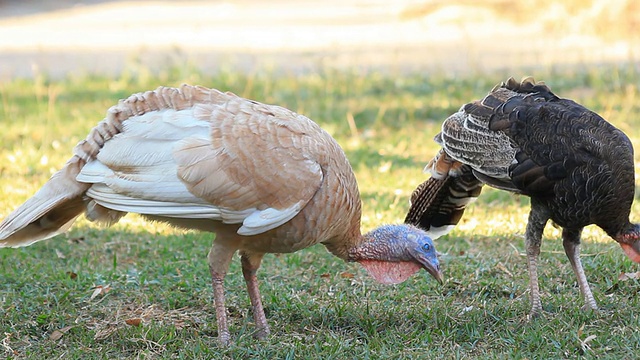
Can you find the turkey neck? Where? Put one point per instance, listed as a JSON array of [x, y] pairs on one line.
[[628, 234], [621, 187], [372, 246]]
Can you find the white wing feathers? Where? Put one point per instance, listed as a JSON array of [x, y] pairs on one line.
[[178, 154], [267, 219], [136, 172]]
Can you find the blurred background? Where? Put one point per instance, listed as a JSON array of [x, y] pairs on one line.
[[99, 36], [380, 76]]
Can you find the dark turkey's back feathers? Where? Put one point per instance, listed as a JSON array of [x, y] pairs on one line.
[[523, 138], [577, 169]]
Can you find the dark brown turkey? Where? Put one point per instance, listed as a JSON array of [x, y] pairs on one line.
[[576, 167]]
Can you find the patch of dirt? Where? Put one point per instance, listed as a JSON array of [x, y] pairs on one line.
[[139, 315]]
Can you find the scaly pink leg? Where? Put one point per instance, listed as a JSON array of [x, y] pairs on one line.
[[221, 312], [571, 243], [250, 265], [219, 260]]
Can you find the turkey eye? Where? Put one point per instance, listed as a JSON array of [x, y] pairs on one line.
[[426, 247]]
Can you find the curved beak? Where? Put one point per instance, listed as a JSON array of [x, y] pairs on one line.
[[432, 266], [436, 273]]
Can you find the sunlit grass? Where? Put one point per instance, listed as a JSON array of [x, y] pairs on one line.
[[317, 305]]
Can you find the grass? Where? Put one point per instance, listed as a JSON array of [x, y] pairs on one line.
[[73, 296]]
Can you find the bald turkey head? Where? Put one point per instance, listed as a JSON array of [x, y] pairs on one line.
[[393, 253]]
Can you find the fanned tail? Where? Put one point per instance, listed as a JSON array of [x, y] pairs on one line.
[[55, 206], [53, 209], [49, 212], [437, 204]]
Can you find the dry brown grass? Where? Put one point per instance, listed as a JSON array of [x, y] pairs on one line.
[[609, 19], [126, 315]]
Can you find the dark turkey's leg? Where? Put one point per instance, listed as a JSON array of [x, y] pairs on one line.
[[535, 226], [250, 265], [571, 242], [219, 260]]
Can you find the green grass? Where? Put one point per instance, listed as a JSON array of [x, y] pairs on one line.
[[317, 305]]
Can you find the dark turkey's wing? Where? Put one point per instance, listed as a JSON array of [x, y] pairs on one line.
[[466, 138], [523, 138]]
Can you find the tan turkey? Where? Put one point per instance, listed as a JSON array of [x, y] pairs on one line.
[[577, 169], [263, 178]]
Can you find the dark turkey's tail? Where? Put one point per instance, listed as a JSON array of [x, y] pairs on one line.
[[527, 85], [437, 204]]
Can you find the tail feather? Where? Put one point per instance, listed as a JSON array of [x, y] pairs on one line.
[[437, 205], [55, 206], [49, 212]]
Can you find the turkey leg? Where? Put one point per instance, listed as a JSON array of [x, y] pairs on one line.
[[571, 243], [219, 260], [533, 237], [250, 265]]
